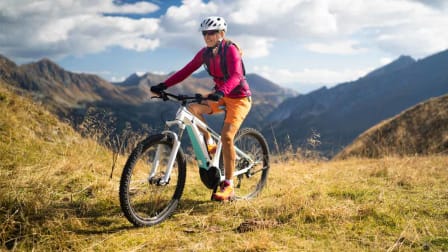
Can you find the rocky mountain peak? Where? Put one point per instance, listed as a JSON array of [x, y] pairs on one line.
[[6, 66], [400, 63]]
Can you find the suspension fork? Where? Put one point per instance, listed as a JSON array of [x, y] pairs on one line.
[[155, 164]]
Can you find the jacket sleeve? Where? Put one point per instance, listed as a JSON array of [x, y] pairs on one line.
[[234, 69], [187, 70]]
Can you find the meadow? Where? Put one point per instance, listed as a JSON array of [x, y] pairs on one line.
[[59, 193]]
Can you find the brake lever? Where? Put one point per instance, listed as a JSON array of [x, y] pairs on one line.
[[162, 96]]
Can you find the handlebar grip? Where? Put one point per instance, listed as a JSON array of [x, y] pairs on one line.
[[199, 97]]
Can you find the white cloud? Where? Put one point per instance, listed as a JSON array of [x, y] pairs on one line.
[[186, 18], [419, 40], [253, 47], [282, 18], [136, 8], [385, 60], [57, 28], [117, 79], [310, 78], [337, 47], [405, 24], [324, 26], [36, 29], [316, 19], [395, 27], [388, 25]]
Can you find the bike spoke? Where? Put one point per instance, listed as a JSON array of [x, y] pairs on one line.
[[252, 165]]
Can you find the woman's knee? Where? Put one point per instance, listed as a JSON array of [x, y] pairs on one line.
[[228, 134], [198, 109], [227, 138], [192, 108]]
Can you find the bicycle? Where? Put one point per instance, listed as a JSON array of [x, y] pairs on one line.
[[154, 175]]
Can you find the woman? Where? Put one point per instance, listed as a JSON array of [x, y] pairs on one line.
[[224, 64]]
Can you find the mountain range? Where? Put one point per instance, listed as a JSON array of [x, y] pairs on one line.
[[336, 115], [73, 96], [341, 113]]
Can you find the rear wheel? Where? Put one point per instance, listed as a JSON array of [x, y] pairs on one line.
[[144, 200], [250, 184]]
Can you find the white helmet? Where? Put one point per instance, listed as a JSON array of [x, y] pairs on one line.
[[213, 23]]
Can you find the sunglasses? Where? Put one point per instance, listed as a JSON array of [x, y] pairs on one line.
[[211, 32]]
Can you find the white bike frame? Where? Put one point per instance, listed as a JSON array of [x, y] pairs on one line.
[[186, 120]]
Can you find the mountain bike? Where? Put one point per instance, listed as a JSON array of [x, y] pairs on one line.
[[153, 177]]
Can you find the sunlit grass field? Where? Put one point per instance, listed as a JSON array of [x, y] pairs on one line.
[[57, 194]]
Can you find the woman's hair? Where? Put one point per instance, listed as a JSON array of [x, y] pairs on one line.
[[232, 42], [237, 47]]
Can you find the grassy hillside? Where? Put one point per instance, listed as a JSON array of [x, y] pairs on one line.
[[55, 194], [422, 129], [49, 177]]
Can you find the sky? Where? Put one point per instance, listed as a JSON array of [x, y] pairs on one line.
[[298, 44]]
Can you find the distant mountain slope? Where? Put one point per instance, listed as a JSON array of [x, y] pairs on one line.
[[264, 90], [266, 94], [60, 88], [73, 96], [422, 129], [260, 85], [341, 113], [139, 86]]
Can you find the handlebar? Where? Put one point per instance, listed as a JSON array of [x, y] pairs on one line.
[[165, 96]]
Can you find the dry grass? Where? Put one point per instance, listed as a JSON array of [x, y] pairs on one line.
[[55, 194], [422, 130]]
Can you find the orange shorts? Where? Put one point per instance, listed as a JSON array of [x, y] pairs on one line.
[[236, 109]]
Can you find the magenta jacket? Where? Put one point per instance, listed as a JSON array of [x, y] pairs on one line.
[[234, 87]]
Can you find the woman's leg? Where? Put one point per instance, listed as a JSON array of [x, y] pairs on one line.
[[198, 110], [228, 149], [237, 110]]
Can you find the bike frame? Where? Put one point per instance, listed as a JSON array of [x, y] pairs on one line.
[[186, 120]]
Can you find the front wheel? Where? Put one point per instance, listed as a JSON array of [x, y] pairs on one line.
[[143, 199], [252, 143]]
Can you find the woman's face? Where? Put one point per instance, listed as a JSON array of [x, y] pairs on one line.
[[212, 37]]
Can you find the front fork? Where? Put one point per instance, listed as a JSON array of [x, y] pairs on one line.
[[156, 162]]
